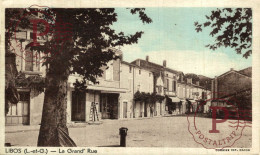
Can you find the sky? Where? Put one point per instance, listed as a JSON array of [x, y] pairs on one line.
[[172, 37]]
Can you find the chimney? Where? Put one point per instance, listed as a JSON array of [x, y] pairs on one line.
[[147, 58], [164, 63], [231, 69], [138, 62]]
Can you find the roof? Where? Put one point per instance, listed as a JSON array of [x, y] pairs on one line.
[[153, 67], [148, 62], [134, 65], [203, 77], [172, 70], [244, 72], [127, 63]]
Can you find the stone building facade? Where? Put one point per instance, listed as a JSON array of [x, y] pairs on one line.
[[113, 96]]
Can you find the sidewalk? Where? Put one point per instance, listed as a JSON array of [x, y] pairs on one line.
[[21, 128], [25, 128]]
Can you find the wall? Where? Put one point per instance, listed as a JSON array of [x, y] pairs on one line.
[[126, 81], [181, 91], [19, 49], [171, 77], [144, 81], [233, 82]]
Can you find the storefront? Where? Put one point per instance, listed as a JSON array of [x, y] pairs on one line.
[[192, 106], [28, 110], [106, 101], [19, 113], [173, 104]]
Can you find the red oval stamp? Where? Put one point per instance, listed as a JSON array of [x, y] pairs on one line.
[[223, 128], [43, 36]]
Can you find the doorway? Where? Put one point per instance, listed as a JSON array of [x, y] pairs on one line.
[[109, 105], [145, 109], [78, 106]]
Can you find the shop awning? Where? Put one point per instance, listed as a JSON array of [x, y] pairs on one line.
[[107, 89], [175, 99]]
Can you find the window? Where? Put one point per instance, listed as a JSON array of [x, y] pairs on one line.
[[130, 69], [166, 75], [174, 85], [167, 84], [31, 35], [204, 95], [22, 107], [28, 60], [109, 71], [140, 71], [149, 74], [32, 60], [159, 90]]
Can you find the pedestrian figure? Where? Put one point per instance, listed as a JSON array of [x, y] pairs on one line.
[[151, 110]]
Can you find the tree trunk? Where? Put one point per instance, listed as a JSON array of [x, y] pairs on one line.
[[54, 131], [11, 94]]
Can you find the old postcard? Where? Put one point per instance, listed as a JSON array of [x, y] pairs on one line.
[[113, 77]]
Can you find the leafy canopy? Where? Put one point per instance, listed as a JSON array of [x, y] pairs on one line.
[[231, 27], [84, 41]]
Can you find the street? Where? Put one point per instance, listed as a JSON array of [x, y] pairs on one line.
[[149, 132]]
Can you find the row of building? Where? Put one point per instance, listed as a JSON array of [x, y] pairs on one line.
[[115, 96]]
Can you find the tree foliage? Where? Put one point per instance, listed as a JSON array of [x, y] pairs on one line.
[[34, 82], [12, 78], [194, 77], [92, 41], [81, 42], [11, 94], [231, 27], [148, 97]]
